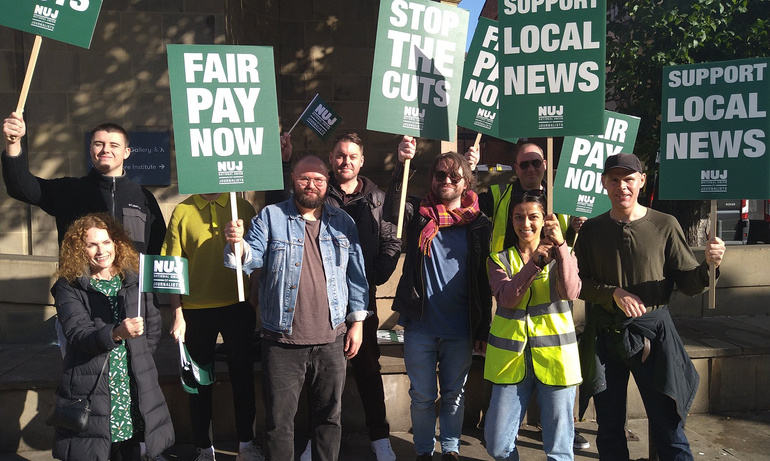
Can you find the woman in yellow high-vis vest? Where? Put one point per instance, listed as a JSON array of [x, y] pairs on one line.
[[532, 343]]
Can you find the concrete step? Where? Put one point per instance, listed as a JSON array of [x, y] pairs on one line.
[[731, 354]]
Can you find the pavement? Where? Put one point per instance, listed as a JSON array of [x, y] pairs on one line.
[[727, 437]]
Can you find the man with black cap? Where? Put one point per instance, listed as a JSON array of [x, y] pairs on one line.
[[629, 260]]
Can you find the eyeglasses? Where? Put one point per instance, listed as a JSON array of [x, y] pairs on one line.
[[537, 163], [304, 181], [442, 175]]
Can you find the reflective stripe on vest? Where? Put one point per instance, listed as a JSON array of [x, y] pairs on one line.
[[542, 322]]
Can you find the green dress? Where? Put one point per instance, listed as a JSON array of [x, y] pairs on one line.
[[121, 420]]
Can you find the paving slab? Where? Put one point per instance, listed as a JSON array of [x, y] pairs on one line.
[[726, 437]]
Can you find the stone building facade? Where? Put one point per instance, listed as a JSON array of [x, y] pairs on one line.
[[320, 46]]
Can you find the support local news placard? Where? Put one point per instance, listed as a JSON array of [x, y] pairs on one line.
[[225, 114], [417, 72], [714, 131], [552, 65], [479, 106], [69, 21], [578, 189]]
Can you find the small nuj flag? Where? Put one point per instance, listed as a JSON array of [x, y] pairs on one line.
[[163, 274], [319, 117]]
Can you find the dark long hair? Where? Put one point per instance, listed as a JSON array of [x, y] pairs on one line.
[[535, 196]]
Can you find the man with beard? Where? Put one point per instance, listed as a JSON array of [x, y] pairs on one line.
[[311, 283], [363, 201], [443, 298]]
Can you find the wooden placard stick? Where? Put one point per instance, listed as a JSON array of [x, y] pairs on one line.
[[712, 268], [28, 76], [549, 175], [237, 250]]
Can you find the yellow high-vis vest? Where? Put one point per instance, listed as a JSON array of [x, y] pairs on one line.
[[501, 201], [542, 322]]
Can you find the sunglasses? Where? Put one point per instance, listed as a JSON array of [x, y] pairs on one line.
[[442, 175], [537, 163]]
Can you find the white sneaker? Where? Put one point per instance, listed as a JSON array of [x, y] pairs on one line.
[[204, 454], [250, 453], [382, 450], [307, 455]]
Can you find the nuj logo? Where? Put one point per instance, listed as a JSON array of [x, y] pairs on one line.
[[230, 166], [585, 199], [487, 114], [413, 112], [325, 115], [550, 110], [713, 174], [168, 267], [46, 11]]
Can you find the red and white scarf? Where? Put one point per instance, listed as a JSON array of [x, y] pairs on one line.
[[439, 216]]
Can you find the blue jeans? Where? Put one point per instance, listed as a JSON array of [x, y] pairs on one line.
[[285, 367], [667, 428], [422, 352], [508, 406]]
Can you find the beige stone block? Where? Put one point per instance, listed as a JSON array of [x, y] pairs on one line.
[[701, 402], [150, 70], [56, 71], [104, 74], [107, 33], [151, 110], [740, 383], [30, 280], [142, 32], [27, 323], [56, 136], [199, 29], [13, 243], [92, 108]]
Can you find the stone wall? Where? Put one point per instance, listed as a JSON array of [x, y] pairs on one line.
[[320, 46], [122, 78]]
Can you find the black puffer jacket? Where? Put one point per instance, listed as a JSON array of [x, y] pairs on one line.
[[410, 294], [378, 239], [86, 320]]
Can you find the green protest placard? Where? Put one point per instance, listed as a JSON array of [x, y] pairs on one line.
[[714, 131], [552, 65], [69, 21], [164, 274], [417, 70], [578, 186], [479, 106], [320, 118], [225, 112]]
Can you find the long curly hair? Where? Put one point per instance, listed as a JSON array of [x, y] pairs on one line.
[[73, 259]]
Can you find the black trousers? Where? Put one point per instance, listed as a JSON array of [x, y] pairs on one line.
[[236, 323]]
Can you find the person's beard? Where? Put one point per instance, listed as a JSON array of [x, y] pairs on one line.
[[307, 201]]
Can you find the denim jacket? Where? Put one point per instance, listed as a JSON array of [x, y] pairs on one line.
[[276, 244]]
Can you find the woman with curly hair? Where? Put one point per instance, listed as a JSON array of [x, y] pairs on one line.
[[110, 338]]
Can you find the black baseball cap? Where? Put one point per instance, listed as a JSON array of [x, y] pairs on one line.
[[621, 160]]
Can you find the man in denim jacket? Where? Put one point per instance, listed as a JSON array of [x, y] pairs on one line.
[[311, 282]]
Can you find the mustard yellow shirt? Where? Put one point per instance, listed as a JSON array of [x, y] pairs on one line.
[[196, 232]]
